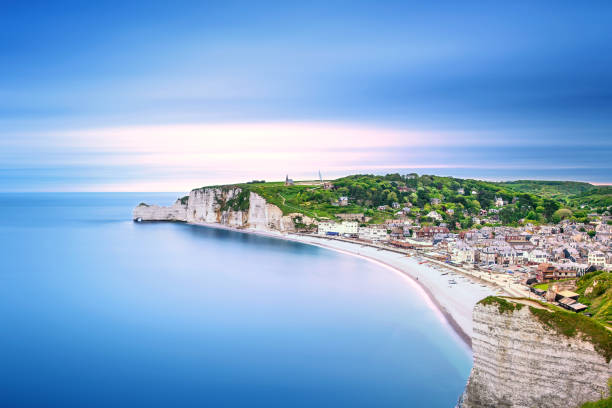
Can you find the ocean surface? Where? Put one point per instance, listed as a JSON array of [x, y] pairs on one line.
[[98, 311]]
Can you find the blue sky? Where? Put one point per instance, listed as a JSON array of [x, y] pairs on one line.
[[173, 95]]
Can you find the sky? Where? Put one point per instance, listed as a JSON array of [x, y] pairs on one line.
[[168, 96]]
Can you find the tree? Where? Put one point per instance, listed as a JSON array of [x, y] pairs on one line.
[[550, 206], [392, 197], [562, 214]]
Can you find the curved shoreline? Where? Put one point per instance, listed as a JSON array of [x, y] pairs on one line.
[[426, 292], [447, 317]]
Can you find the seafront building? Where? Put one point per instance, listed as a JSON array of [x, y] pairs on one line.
[[344, 228], [543, 253]]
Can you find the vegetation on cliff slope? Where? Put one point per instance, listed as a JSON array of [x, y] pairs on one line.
[[456, 201], [240, 202], [595, 291], [502, 304], [571, 324], [562, 322], [603, 403]]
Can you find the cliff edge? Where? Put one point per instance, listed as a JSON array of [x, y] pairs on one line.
[[527, 354], [229, 206]]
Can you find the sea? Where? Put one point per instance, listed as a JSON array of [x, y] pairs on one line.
[[99, 311]]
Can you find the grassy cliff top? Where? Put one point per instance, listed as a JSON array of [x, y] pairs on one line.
[[375, 196], [562, 322], [595, 289]]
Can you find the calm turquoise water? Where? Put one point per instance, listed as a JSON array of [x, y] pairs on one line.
[[97, 311]]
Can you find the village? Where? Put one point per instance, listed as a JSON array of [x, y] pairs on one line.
[[515, 259]]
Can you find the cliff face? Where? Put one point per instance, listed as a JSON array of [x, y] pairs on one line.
[[145, 212], [521, 362], [232, 207]]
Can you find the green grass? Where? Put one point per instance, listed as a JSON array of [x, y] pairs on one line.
[[539, 201], [571, 325], [602, 403], [502, 304], [551, 189], [595, 291], [600, 196], [544, 286], [564, 323]]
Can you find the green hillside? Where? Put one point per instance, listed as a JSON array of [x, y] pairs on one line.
[[551, 189], [596, 197], [595, 291], [457, 201]]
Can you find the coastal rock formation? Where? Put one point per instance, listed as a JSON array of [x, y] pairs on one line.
[[146, 212], [521, 361], [230, 206]]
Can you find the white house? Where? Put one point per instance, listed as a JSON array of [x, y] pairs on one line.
[[434, 215], [342, 228], [373, 233], [487, 255], [463, 253], [597, 258], [538, 256]]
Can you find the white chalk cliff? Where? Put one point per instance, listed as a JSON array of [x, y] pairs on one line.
[[521, 362], [221, 205]]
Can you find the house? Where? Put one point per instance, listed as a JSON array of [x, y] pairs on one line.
[[572, 304], [487, 255], [463, 253], [434, 215], [349, 228], [328, 185], [435, 201], [381, 207], [567, 294], [351, 216], [545, 272], [506, 256], [288, 181], [499, 202], [373, 233], [450, 211], [460, 191], [537, 256], [343, 201], [397, 231], [517, 239], [597, 258], [395, 205], [429, 232]]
